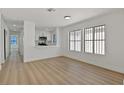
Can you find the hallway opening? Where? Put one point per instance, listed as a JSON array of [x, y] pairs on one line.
[[16, 43]]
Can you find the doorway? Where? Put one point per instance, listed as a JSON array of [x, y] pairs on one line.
[[4, 44]]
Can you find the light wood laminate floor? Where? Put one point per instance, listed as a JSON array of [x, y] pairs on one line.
[[57, 71]]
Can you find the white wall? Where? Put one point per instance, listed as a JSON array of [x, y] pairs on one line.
[[114, 58], [20, 39], [0, 43], [4, 26], [32, 52], [28, 40]]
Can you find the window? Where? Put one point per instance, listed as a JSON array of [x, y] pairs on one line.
[[72, 40], [94, 40], [75, 40], [13, 40], [88, 40], [99, 40]]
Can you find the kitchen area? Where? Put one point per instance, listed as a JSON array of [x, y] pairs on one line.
[[45, 37]]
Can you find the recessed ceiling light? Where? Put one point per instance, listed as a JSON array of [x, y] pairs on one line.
[[51, 9], [67, 17], [14, 25]]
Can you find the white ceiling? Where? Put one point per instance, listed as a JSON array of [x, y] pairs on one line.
[[19, 24], [41, 17]]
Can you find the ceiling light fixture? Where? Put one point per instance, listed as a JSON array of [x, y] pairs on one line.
[[67, 17], [14, 25], [51, 9]]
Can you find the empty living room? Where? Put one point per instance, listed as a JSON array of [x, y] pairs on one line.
[[55, 46], [67, 46], [61, 46]]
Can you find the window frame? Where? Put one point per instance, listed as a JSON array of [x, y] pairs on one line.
[[76, 40], [96, 40], [71, 40], [88, 40]]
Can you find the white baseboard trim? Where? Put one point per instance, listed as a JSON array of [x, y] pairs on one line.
[[38, 59]]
